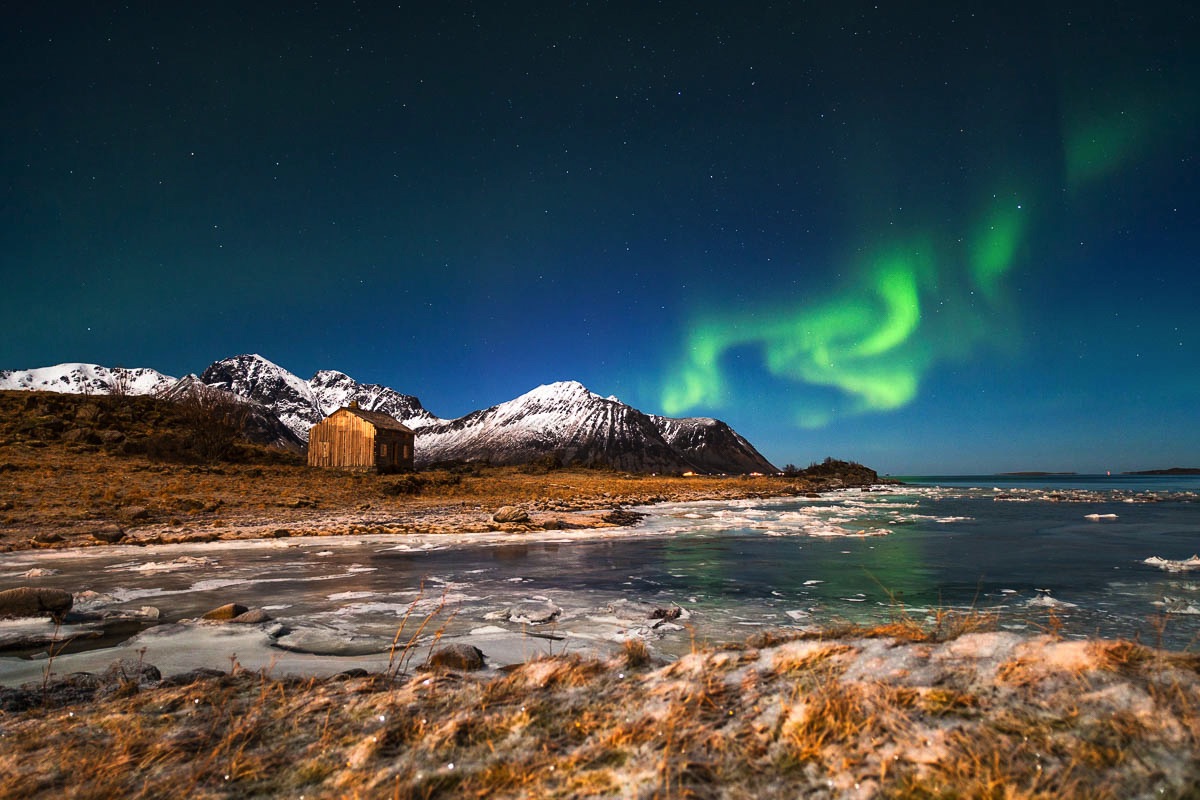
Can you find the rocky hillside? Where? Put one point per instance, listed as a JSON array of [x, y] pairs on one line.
[[138, 425], [711, 445]]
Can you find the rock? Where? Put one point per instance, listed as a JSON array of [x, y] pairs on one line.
[[137, 513], [110, 534], [620, 516], [510, 514], [281, 533], [129, 670], [462, 657], [252, 617], [46, 537], [6, 505], [226, 612], [28, 601], [534, 612], [81, 436], [78, 687]]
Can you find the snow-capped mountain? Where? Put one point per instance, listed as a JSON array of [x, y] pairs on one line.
[[255, 378], [563, 420], [333, 390], [300, 404], [86, 379], [711, 445], [579, 427]]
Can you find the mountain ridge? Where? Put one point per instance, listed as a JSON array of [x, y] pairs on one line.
[[563, 421]]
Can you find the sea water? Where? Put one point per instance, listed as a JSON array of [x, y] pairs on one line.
[[1062, 554]]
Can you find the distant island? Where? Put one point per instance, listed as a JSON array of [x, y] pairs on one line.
[[1033, 474], [1170, 471]]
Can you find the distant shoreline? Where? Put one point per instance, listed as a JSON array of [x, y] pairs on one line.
[[1169, 471]]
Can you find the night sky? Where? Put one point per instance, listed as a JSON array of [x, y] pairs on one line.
[[931, 239]]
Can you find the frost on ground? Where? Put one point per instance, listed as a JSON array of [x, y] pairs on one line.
[[888, 712]]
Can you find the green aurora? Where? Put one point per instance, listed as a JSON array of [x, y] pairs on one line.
[[874, 340], [937, 296]]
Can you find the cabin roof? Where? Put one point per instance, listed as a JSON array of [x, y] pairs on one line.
[[379, 419]]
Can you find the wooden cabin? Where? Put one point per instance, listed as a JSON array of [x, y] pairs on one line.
[[353, 439]]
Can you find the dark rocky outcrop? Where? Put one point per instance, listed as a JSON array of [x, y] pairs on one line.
[[30, 601]]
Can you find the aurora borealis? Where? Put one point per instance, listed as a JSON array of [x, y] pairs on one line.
[[932, 239]]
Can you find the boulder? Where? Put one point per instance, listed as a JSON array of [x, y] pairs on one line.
[[137, 513], [29, 601], [110, 534], [130, 670], [112, 437], [510, 514], [462, 657], [46, 537], [534, 612], [252, 617], [226, 612]]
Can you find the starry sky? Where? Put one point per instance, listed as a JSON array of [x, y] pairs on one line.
[[931, 237]]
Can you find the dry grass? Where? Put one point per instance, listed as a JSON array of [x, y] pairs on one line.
[[778, 720]]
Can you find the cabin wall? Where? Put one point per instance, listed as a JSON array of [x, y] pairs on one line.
[[393, 451], [344, 441]]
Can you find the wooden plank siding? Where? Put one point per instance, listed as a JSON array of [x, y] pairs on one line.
[[346, 440]]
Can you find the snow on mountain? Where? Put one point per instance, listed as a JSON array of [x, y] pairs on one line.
[[255, 378], [561, 419], [711, 445], [333, 390], [300, 404], [75, 378]]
